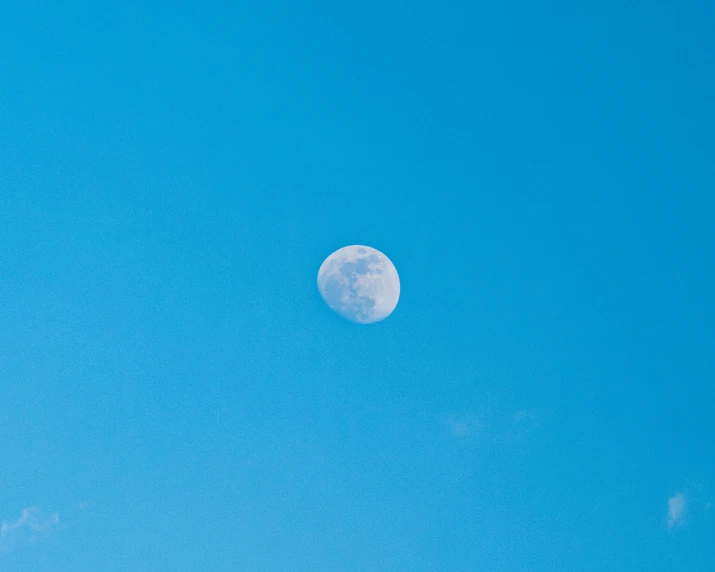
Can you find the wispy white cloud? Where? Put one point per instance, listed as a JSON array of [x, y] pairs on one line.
[[524, 421], [676, 510], [84, 506], [464, 426], [493, 427], [32, 524]]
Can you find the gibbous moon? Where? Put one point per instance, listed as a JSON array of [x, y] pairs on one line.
[[359, 283]]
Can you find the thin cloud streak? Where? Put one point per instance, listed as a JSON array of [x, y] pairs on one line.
[[676, 510], [464, 426], [32, 524]]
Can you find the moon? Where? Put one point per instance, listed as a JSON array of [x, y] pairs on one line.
[[360, 283]]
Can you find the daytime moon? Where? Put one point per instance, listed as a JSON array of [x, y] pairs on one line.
[[359, 283]]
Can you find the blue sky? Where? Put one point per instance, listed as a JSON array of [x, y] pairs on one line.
[[175, 395]]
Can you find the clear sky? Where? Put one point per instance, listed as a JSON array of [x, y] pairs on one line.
[[176, 396]]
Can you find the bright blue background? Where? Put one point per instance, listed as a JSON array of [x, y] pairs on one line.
[[171, 384]]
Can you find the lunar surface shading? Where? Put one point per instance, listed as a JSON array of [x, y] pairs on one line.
[[359, 283]]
